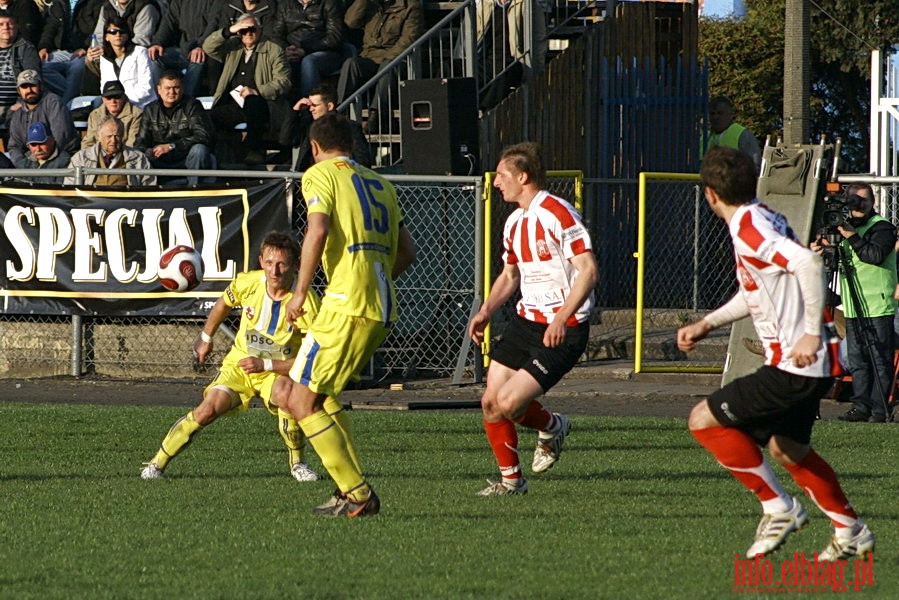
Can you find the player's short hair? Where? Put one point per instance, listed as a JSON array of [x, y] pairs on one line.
[[526, 157], [332, 132], [730, 173], [281, 241], [327, 92]]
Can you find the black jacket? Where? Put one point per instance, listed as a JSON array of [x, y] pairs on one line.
[[54, 35], [185, 24], [185, 124], [84, 20], [315, 26], [227, 12]]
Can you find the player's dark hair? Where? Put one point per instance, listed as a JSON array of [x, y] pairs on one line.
[[526, 157], [281, 241], [730, 173], [327, 92], [332, 132]]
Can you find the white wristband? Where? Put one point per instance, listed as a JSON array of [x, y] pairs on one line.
[[205, 337], [267, 364]]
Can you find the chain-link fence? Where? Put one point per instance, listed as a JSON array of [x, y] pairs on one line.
[[685, 266], [435, 297]]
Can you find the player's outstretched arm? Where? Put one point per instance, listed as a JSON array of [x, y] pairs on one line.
[[503, 287], [405, 253], [217, 316], [317, 225]]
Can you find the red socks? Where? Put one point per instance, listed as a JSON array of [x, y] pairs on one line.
[[740, 455], [537, 417], [818, 480], [503, 439]]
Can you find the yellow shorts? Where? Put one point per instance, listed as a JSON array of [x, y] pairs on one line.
[[335, 349], [244, 386]]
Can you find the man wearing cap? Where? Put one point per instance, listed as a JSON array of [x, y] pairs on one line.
[[116, 104], [35, 106], [16, 55], [44, 153]]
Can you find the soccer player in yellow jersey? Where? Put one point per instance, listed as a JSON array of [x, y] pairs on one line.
[[264, 349], [355, 229]]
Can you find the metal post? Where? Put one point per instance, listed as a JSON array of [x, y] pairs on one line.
[[478, 290], [77, 345]]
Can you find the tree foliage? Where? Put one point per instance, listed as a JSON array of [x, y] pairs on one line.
[[746, 63]]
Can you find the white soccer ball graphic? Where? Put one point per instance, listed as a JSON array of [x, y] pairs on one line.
[[180, 268]]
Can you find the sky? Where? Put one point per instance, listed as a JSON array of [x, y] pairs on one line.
[[722, 8]]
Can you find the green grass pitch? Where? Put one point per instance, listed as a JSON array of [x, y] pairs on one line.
[[634, 509]]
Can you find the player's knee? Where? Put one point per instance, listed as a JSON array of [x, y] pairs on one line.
[[488, 405], [205, 413], [701, 417]]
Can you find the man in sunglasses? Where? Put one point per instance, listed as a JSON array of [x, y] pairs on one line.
[[253, 86], [35, 106]]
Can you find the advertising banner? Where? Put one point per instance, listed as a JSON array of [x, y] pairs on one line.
[[96, 251]]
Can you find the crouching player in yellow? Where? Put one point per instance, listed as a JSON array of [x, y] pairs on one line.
[[264, 349]]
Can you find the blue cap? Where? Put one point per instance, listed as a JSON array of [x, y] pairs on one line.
[[38, 133]]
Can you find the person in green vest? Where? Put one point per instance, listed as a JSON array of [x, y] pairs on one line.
[[869, 247], [724, 132]]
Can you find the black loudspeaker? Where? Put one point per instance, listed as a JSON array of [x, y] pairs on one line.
[[439, 125]]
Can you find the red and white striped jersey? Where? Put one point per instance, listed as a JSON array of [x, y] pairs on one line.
[[540, 241], [764, 246]]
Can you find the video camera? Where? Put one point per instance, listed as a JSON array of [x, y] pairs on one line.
[[835, 211]]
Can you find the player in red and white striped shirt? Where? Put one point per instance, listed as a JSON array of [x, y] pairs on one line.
[[782, 289], [549, 258]]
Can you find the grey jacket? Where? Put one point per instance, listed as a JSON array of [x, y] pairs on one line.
[[134, 159], [50, 110]]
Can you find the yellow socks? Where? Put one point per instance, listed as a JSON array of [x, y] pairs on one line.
[[335, 410], [292, 435], [331, 446], [176, 439]]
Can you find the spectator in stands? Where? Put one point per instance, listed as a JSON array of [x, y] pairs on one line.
[[63, 67], [127, 63], [44, 153], [389, 27], [115, 104], [178, 43], [252, 88], [35, 106], [142, 16], [724, 132], [230, 11], [311, 32], [321, 101], [111, 153], [28, 18], [54, 28], [176, 132], [16, 55]]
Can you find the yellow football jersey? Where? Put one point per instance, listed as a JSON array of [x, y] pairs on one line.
[[264, 331], [362, 237]]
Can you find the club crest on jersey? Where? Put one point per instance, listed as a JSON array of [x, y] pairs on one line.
[[746, 280], [543, 250], [250, 312]]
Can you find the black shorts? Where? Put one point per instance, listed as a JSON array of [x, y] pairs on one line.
[[521, 347], [771, 402]]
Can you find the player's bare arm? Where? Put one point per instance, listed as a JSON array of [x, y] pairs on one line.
[[405, 253], [587, 276], [503, 287], [808, 267], [310, 257], [254, 364], [688, 335], [217, 316]]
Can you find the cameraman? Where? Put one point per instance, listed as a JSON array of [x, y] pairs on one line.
[[869, 248]]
